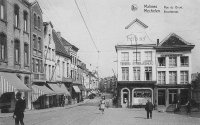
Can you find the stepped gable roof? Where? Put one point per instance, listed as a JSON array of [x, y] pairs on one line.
[[66, 43], [173, 41], [138, 21], [60, 50]]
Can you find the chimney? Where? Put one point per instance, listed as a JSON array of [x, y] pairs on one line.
[[157, 42], [59, 34]]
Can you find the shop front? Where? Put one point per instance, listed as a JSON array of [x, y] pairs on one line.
[[9, 85]]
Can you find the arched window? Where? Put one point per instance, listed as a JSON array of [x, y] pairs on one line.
[[3, 47], [17, 51], [38, 22], [2, 10], [26, 53], [25, 21], [16, 12], [35, 20]]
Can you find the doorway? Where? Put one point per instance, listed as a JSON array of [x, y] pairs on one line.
[[173, 96], [161, 97], [125, 98]]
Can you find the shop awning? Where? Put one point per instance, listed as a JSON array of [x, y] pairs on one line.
[[59, 89], [82, 87], [39, 91], [9, 82], [76, 89]]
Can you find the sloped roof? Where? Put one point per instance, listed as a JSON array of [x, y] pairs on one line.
[[34, 2], [60, 50], [173, 41], [138, 21], [66, 43]]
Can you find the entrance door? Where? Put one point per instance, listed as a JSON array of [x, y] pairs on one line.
[[161, 97], [173, 96], [125, 98], [184, 95]]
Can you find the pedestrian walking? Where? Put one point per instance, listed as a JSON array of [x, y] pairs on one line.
[[149, 108], [19, 109], [188, 107], [102, 104], [177, 107]]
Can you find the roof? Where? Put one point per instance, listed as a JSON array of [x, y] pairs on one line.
[[60, 50], [173, 41], [33, 2], [66, 43], [138, 21]]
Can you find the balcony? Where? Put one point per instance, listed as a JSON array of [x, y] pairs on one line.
[[38, 76], [125, 63]]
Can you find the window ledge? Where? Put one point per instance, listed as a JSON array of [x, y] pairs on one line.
[[4, 21], [25, 32], [17, 28]]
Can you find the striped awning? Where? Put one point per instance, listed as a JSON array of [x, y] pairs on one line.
[[9, 82], [38, 91], [59, 89]]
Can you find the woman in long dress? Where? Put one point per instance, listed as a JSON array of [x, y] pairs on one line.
[[102, 104]]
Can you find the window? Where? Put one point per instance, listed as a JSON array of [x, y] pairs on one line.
[[35, 20], [39, 44], [63, 66], [25, 21], [67, 69], [161, 61], [2, 9], [17, 51], [125, 73], [37, 65], [49, 72], [161, 77], [125, 56], [33, 64], [148, 73], [58, 67], [184, 61], [136, 56], [136, 73], [3, 47], [26, 52], [16, 12], [173, 77], [148, 55], [38, 22], [52, 77], [53, 54], [184, 77], [34, 41], [49, 53], [172, 61]]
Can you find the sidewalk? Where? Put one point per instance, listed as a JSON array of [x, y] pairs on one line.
[[4, 115]]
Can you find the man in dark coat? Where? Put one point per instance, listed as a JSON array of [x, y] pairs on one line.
[[149, 109], [19, 109]]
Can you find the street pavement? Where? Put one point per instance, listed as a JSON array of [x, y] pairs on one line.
[[88, 114]]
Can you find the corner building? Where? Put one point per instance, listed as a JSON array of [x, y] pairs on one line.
[[136, 67]]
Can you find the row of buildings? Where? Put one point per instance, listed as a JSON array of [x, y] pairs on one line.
[[36, 60], [158, 71]]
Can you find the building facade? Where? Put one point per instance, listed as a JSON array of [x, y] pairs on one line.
[[174, 69], [148, 71], [15, 66]]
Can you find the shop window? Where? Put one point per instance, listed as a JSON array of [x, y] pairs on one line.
[[148, 73], [17, 51], [161, 61], [184, 77], [16, 12], [184, 61], [173, 77], [124, 56], [125, 73], [3, 47]]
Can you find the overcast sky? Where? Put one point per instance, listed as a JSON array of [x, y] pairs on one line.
[[107, 19]]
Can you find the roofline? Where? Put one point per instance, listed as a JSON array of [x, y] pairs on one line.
[[136, 20], [48, 23], [33, 3]]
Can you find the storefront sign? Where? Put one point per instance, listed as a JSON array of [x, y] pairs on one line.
[[134, 38]]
